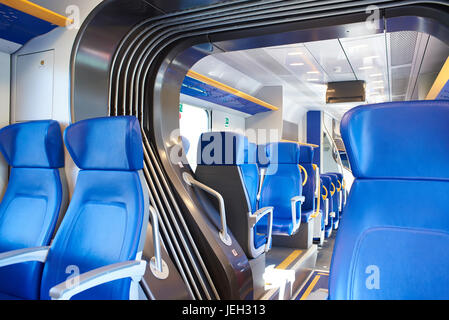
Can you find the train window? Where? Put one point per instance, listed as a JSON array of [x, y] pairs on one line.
[[193, 121]]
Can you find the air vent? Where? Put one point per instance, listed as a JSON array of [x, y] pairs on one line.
[[345, 91]]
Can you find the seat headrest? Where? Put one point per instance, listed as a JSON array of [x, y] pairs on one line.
[[326, 182], [306, 154], [33, 144], [398, 140], [225, 148], [283, 152], [109, 143]]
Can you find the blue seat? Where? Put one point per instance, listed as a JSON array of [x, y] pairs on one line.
[[102, 234], [335, 194], [327, 185], [309, 188], [341, 190], [227, 163], [282, 187], [34, 200], [392, 242]]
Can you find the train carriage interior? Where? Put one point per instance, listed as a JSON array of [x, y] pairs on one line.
[[224, 150]]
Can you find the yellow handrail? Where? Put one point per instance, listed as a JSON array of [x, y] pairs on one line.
[[306, 176], [325, 196], [228, 89], [333, 192], [38, 12], [339, 189], [440, 81]]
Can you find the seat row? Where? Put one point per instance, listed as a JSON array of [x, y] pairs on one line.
[[47, 251], [268, 190]]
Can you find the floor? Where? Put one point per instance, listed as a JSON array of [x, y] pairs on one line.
[[324, 258], [315, 288]]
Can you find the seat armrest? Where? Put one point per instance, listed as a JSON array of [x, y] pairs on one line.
[[293, 201], [129, 269], [38, 254], [256, 216]]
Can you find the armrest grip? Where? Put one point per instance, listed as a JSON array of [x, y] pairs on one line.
[[128, 269], [38, 254], [256, 216], [295, 221]]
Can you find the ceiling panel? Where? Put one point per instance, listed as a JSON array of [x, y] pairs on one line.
[[330, 55], [368, 57], [383, 61], [300, 62]]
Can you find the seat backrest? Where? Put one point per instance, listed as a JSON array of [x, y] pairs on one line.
[[227, 164], [108, 214], [284, 181], [308, 190], [392, 242], [34, 198], [326, 180], [335, 196]]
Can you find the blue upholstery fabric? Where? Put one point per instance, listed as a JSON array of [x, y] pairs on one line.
[[106, 145], [31, 205], [367, 148], [335, 198], [233, 149], [106, 217], [34, 144], [322, 209], [308, 190], [396, 223], [281, 185], [223, 148], [340, 179], [283, 153], [4, 296], [327, 184]]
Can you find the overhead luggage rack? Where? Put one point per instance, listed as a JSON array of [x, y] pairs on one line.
[[205, 88]]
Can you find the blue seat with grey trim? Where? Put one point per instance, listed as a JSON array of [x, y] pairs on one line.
[[309, 188], [329, 205], [335, 194], [34, 201], [343, 195], [102, 234], [282, 188], [392, 242], [227, 164]]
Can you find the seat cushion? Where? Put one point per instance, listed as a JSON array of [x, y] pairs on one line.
[[260, 239], [4, 296], [305, 215], [280, 226]]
